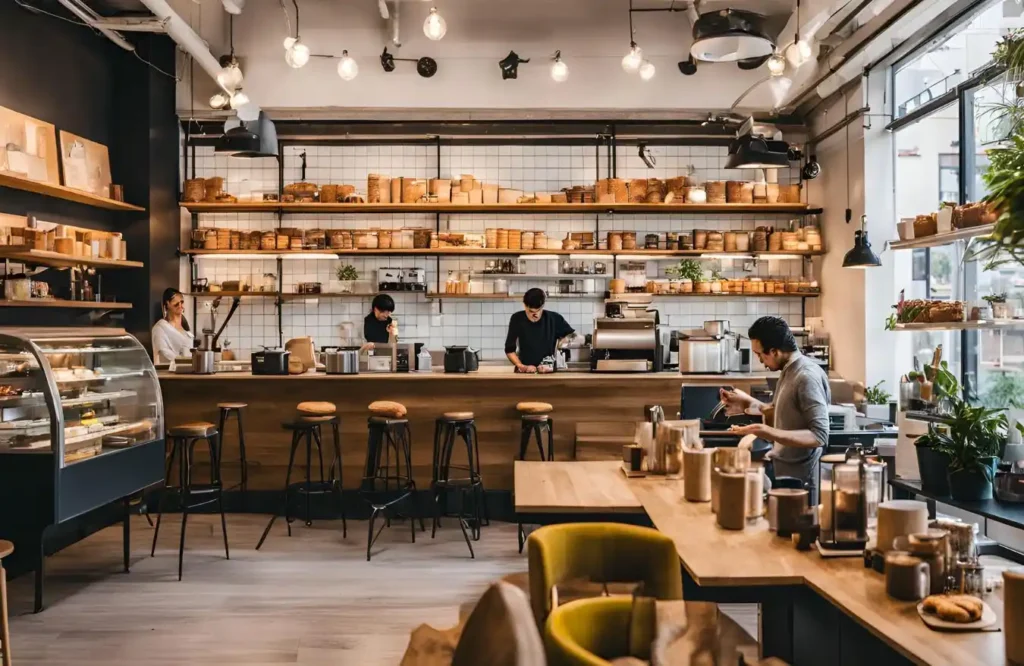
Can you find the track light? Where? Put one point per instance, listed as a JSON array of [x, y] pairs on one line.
[[348, 68], [219, 101], [297, 54], [631, 61], [434, 27], [776, 64], [647, 70], [239, 99], [559, 70]]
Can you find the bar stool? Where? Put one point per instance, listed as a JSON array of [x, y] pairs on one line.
[[226, 410], [447, 428], [309, 419], [183, 440], [385, 483], [535, 418], [6, 548]]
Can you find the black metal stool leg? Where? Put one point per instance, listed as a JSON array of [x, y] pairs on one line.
[[217, 458], [309, 472], [524, 438], [338, 482], [287, 482], [243, 460], [537, 433], [551, 439], [163, 495], [185, 475]]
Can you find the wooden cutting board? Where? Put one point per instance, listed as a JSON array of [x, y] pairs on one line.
[[86, 164], [36, 143]]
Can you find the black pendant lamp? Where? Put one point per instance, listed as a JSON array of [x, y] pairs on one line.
[[754, 152], [237, 141], [861, 256]]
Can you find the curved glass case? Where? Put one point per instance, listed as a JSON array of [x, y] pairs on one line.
[[78, 393]]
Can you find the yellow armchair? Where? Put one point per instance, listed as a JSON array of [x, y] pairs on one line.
[[603, 553], [592, 632]]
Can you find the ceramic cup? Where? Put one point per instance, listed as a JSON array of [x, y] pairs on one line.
[[907, 578]]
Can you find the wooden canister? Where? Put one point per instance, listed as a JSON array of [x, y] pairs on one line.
[[775, 242], [760, 192], [614, 241], [755, 493], [195, 190], [527, 240], [384, 239], [1013, 614], [716, 191], [617, 286], [772, 192], [732, 500], [716, 242], [677, 186], [396, 190], [372, 189], [413, 190], [329, 194], [491, 237], [745, 193], [460, 198], [702, 287], [421, 239], [697, 470], [283, 241], [628, 240], [759, 242], [900, 518], [476, 196], [467, 182], [742, 241], [268, 240], [789, 193], [214, 188], [64, 245], [490, 193], [638, 190], [700, 239], [732, 459], [789, 241], [715, 488], [515, 239], [442, 189], [730, 241], [501, 236], [385, 191]]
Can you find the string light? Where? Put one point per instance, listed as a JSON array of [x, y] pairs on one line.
[[559, 70], [348, 68], [297, 54], [434, 27], [631, 61]]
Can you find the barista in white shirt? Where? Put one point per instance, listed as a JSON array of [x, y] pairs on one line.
[[171, 334]]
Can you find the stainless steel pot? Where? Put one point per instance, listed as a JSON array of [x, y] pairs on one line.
[[341, 361], [718, 327], [203, 362]]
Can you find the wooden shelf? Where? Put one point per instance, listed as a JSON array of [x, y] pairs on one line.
[[989, 324], [807, 294], [510, 297], [303, 297], [65, 193], [26, 255], [486, 252], [942, 239], [518, 209], [233, 294], [58, 303]]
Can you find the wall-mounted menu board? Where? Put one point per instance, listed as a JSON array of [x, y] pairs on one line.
[[28, 147], [86, 164]]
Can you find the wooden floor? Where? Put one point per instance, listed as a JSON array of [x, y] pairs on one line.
[[311, 599]]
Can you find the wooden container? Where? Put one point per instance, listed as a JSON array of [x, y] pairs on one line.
[[527, 240], [508, 195], [617, 286], [384, 239], [64, 245], [700, 239], [760, 193], [268, 240], [612, 190], [730, 241], [490, 193], [195, 190], [703, 287], [790, 241], [715, 242], [329, 194], [738, 191], [491, 237], [386, 191], [732, 500], [1013, 614], [655, 191], [785, 506], [900, 518], [759, 242], [460, 198], [365, 240], [678, 187], [372, 189], [442, 189], [559, 198], [235, 240], [540, 240], [789, 194], [501, 237], [614, 241], [772, 193], [515, 239], [686, 286], [715, 191], [421, 238], [775, 242], [813, 238], [283, 242], [413, 190], [476, 197], [467, 182], [628, 240], [214, 188], [294, 243], [742, 241], [396, 190], [697, 467], [638, 190]]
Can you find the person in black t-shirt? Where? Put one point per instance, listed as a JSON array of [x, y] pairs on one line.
[[534, 333], [378, 325]]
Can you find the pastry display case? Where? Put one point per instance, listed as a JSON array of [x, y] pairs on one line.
[[81, 423]]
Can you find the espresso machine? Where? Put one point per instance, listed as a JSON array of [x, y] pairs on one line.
[[628, 338]]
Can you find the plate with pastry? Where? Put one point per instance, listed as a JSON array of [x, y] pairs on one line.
[[956, 612]]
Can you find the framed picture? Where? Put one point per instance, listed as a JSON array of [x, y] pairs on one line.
[[86, 164]]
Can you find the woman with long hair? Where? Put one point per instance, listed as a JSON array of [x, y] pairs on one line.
[[171, 334]]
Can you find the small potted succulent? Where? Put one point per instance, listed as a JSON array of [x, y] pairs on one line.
[[347, 276], [1000, 308], [877, 400]]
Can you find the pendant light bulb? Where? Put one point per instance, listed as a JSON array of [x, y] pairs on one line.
[[230, 77], [218, 101], [798, 52], [631, 61], [289, 41], [348, 68], [647, 70], [435, 26], [776, 64], [559, 70], [239, 99], [297, 56]]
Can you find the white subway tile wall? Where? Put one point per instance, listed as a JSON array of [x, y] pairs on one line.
[[482, 324]]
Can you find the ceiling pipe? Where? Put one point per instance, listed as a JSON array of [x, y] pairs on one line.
[[183, 34], [396, 38], [90, 17]]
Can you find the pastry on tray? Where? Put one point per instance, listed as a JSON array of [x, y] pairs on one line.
[[961, 608]]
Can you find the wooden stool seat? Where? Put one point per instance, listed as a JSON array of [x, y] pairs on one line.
[[316, 408], [6, 548], [534, 407], [457, 416], [232, 405], [388, 408], [194, 429]]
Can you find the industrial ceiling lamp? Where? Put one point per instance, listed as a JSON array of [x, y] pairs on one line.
[[230, 76], [632, 61], [434, 27], [756, 152], [237, 140], [861, 256], [776, 64], [799, 51], [559, 70], [296, 54]]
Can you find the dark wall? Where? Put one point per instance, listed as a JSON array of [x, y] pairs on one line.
[[83, 83]]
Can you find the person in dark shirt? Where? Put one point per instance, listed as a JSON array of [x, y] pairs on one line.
[[378, 325], [534, 333]]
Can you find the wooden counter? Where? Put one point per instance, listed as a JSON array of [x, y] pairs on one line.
[[492, 396]]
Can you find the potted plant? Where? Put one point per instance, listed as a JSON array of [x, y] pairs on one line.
[[688, 270], [347, 275], [877, 400], [932, 462], [1000, 309], [972, 440]]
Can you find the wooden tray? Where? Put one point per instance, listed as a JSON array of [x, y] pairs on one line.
[[988, 618]]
